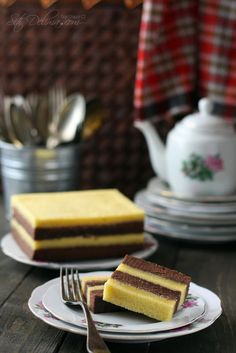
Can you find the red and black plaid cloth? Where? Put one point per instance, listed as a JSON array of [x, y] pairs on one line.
[[187, 50]]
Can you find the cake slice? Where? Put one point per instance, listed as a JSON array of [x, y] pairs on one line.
[[92, 287], [147, 288], [156, 274], [76, 225]]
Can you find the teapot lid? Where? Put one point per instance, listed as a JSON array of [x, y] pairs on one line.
[[204, 122]]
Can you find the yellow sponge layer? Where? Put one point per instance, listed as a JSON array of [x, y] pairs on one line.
[[76, 208], [138, 300]]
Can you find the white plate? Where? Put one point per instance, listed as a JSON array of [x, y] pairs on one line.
[[126, 321], [196, 229], [157, 186], [189, 206], [156, 210], [213, 311], [11, 249], [152, 225]]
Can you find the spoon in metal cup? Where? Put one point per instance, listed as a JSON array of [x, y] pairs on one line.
[[71, 118], [93, 120], [21, 120]]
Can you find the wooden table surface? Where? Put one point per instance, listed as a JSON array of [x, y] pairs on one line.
[[210, 266]]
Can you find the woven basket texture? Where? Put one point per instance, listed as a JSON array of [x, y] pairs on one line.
[[95, 55]]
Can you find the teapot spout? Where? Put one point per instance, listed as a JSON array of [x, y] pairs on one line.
[[155, 146]]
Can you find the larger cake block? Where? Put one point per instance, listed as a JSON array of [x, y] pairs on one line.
[[147, 288], [76, 225]]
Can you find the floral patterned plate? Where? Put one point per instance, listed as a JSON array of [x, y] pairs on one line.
[[125, 321], [213, 311], [11, 249]]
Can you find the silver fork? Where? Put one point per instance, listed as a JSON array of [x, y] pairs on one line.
[[71, 294]]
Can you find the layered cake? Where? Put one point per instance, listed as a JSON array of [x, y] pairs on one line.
[[92, 287], [147, 288], [76, 225]]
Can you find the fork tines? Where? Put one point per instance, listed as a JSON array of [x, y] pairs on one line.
[[70, 285]]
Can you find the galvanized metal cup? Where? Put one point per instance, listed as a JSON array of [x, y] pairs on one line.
[[31, 169]]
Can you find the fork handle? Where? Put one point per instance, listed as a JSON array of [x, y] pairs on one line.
[[95, 343]]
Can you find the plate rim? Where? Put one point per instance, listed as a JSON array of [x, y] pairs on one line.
[[168, 194], [192, 207]]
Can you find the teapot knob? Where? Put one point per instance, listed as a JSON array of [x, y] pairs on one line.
[[205, 106]]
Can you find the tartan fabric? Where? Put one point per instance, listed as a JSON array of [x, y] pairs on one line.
[[187, 49]]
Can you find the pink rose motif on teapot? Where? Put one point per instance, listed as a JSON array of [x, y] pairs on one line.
[[215, 163], [202, 169]]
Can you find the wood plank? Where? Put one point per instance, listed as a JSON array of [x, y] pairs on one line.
[[195, 343], [20, 331], [129, 347], [77, 344], [12, 273], [73, 344], [166, 254]]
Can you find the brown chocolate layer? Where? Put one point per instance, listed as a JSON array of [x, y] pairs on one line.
[[146, 286], [156, 269], [76, 253], [84, 230], [98, 305]]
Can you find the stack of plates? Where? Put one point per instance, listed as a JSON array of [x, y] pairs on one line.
[[201, 219], [201, 308]]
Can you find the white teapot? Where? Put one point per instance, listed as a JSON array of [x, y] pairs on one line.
[[200, 154]]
